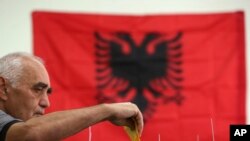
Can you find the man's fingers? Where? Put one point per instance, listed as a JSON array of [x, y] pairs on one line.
[[139, 121]]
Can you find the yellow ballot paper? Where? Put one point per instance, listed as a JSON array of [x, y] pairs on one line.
[[132, 133]]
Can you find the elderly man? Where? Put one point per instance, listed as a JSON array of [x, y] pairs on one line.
[[24, 90]]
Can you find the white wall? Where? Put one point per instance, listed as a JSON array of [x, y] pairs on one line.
[[15, 17]]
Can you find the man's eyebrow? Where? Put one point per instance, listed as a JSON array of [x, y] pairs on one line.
[[40, 84]]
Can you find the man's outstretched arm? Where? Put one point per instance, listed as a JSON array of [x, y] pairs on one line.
[[59, 125]]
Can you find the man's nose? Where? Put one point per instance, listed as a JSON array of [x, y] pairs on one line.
[[44, 101]]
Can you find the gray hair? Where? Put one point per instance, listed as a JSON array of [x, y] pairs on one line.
[[11, 66]]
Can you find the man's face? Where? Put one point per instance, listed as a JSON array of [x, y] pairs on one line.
[[30, 98]]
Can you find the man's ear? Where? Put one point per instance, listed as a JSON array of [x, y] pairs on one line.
[[3, 89]]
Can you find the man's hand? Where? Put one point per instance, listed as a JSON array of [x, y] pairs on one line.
[[126, 114]]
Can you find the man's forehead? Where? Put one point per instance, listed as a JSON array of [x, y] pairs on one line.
[[37, 73]]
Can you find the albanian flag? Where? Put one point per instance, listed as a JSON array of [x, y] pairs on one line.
[[185, 72]]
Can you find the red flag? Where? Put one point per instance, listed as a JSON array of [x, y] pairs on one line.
[[185, 72]]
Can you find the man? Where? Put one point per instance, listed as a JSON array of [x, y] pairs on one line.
[[24, 90]]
